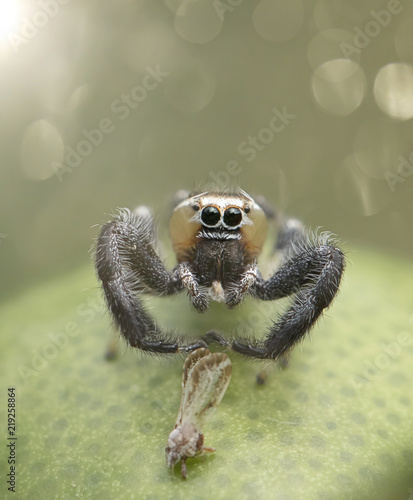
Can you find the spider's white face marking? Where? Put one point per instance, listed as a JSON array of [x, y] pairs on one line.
[[216, 235], [205, 379]]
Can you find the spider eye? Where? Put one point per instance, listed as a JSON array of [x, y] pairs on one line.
[[232, 217], [210, 216]]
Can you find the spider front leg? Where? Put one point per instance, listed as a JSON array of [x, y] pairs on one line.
[[126, 265], [238, 291], [197, 295], [313, 273]]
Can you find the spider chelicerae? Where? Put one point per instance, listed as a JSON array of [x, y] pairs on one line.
[[217, 238]]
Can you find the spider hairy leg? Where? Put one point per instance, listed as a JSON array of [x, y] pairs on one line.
[[313, 273], [238, 291], [127, 266], [197, 295]]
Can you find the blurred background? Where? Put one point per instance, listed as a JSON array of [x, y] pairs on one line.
[[107, 104]]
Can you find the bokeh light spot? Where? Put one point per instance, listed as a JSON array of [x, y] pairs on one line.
[[339, 86], [278, 21], [393, 90]]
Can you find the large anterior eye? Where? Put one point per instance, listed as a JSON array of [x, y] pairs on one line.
[[232, 217], [210, 216]]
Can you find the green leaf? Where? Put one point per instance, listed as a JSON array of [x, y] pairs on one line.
[[337, 423]]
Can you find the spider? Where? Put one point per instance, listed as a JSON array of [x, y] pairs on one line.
[[217, 238]]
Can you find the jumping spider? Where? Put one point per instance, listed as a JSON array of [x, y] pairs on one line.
[[217, 239]]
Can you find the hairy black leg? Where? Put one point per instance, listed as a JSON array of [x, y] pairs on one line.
[[313, 274], [197, 295], [237, 291], [127, 264]]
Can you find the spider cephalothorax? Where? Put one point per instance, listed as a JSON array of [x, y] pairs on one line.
[[220, 237], [220, 217], [217, 239]]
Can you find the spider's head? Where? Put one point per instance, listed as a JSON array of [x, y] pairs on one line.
[[218, 214]]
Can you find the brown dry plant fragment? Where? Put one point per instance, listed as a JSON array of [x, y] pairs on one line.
[[204, 381]]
